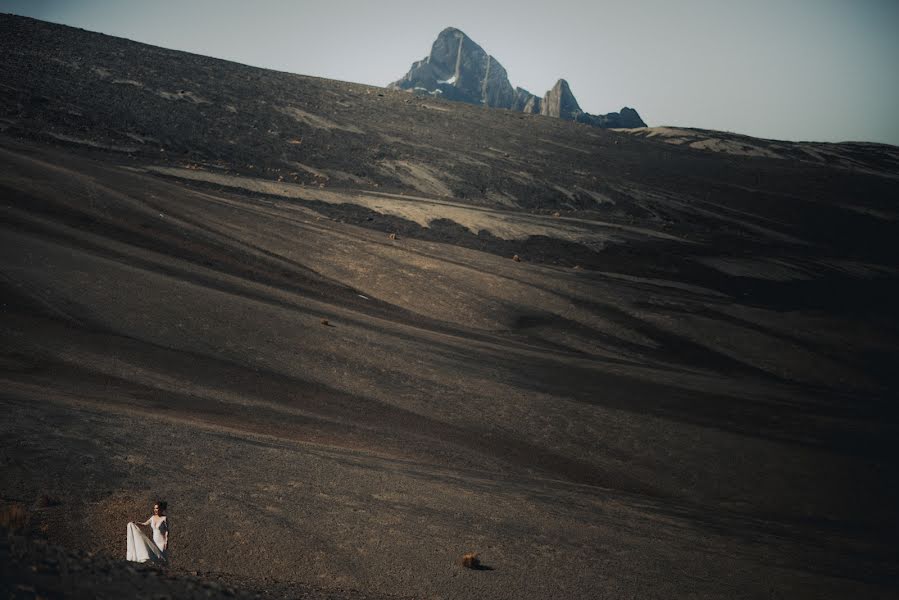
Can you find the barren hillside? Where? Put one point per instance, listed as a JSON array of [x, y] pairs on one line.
[[289, 306]]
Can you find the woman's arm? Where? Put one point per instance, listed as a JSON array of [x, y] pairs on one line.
[[147, 522]]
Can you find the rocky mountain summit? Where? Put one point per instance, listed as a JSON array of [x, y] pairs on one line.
[[459, 69]]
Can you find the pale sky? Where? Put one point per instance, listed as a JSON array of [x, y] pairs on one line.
[[823, 70]]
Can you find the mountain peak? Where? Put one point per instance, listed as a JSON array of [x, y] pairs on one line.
[[452, 31], [458, 69]]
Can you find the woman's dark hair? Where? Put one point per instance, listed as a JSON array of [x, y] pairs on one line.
[[162, 504]]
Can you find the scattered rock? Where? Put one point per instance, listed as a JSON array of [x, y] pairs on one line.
[[392, 236], [516, 258], [325, 322]]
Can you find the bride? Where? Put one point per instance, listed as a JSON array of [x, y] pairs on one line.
[[140, 548]]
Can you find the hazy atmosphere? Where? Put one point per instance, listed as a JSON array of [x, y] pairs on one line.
[[820, 70]]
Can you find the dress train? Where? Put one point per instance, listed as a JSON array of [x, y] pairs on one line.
[[141, 548]]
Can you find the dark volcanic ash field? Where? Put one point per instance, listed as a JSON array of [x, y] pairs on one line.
[[685, 387]]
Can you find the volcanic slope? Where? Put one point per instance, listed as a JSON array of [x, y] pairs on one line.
[[289, 306]]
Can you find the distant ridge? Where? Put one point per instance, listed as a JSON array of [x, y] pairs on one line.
[[459, 69]]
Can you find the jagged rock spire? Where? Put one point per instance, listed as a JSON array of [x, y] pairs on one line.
[[459, 69], [560, 102]]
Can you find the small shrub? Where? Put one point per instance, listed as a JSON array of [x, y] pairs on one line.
[[13, 517], [470, 560]]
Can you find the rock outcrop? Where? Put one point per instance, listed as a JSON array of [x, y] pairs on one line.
[[559, 102], [459, 69], [627, 118], [526, 102]]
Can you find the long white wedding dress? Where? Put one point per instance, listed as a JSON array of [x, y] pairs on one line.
[[141, 548]]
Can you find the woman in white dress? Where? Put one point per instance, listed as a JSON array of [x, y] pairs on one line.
[[140, 547]]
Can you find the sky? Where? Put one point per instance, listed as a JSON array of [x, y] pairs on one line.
[[822, 70]]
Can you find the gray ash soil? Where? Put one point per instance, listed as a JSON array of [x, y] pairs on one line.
[[685, 387], [32, 568]]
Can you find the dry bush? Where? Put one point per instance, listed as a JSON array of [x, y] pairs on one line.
[[470, 560], [13, 517]]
